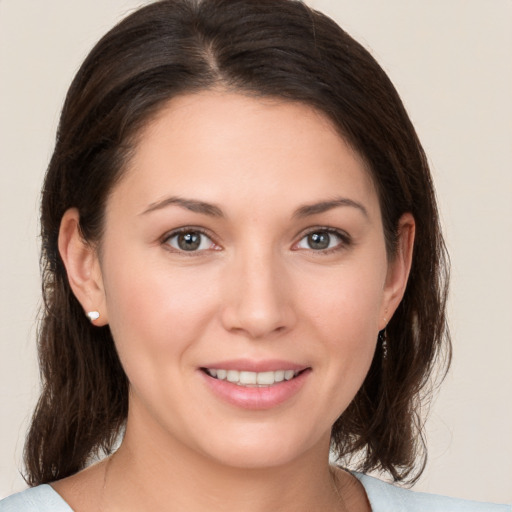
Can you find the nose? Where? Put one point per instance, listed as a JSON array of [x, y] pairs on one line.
[[258, 296]]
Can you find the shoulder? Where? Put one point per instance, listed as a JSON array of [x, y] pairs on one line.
[[36, 499], [385, 497]]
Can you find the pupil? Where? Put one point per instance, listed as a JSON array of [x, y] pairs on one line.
[[319, 240], [189, 241]]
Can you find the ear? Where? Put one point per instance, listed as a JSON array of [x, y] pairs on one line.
[[398, 269], [82, 265]]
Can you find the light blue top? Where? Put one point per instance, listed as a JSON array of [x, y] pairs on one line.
[[383, 497], [37, 499]]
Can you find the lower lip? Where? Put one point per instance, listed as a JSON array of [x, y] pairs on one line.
[[256, 398]]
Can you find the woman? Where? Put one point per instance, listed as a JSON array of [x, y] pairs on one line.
[[243, 268]]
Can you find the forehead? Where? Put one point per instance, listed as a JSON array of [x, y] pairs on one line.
[[234, 146]]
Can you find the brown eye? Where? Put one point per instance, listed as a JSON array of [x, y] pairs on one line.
[[322, 240], [189, 241], [319, 240]]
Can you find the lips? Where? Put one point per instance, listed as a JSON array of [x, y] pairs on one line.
[[255, 385]]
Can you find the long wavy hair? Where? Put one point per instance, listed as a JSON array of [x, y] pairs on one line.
[[265, 48]]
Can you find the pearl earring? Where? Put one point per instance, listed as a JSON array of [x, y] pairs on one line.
[[93, 315]]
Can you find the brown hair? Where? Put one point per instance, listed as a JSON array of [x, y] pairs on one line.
[[275, 48]]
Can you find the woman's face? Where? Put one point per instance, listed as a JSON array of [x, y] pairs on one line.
[[242, 248]]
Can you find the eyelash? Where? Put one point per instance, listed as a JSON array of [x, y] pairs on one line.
[[345, 240], [185, 230], [344, 243]]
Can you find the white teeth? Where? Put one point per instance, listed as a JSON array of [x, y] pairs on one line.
[[267, 378], [233, 376], [289, 374], [252, 379], [279, 376], [248, 378]]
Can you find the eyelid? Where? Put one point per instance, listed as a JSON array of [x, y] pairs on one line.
[[188, 229], [346, 239]]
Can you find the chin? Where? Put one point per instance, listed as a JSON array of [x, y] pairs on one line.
[[257, 449]]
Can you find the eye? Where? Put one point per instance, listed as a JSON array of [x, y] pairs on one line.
[[323, 240], [189, 240]]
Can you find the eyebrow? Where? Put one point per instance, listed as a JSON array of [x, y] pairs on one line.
[[212, 210], [324, 206], [190, 204]]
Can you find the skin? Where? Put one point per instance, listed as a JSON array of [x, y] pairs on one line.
[[256, 289]]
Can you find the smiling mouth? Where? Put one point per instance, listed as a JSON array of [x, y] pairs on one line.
[[252, 379]]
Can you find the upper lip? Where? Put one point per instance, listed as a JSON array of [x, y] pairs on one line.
[[250, 365]]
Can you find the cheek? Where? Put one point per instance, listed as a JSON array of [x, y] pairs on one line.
[[344, 315], [346, 302], [154, 310]]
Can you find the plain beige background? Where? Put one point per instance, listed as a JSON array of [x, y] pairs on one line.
[[451, 60]]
